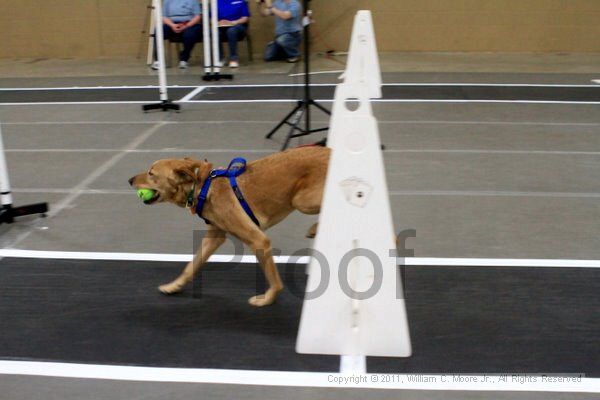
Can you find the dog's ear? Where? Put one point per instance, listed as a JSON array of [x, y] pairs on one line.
[[184, 174], [190, 170]]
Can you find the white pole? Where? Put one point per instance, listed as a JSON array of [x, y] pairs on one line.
[[160, 49], [206, 34], [215, 37], [5, 195]]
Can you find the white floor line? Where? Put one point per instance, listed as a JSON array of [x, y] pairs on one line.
[[63, 88], [509, 123], [337, 71], [318, 100], [493, 193], [192, 122], [293, 379], [192, 94], [406, 101], [95, 174], [248, 259], [481, 101], [187, 151], [269, 151], [537, 85], [422, 84], [69, 190], [76, 103], [501, 152]]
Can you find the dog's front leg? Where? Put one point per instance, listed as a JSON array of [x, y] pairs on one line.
[[211, 242]]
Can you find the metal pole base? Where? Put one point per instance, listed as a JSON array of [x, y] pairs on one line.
[[8, 213], [165, 105], [216, 76]]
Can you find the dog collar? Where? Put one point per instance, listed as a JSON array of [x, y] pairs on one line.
[[189, 201]]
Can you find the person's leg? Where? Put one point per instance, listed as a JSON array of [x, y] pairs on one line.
[[235, 34], [274, 51], [222, 38], [290, 43], [167, 32], [190, 37]]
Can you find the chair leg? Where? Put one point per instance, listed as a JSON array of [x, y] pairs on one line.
[[249, 46]]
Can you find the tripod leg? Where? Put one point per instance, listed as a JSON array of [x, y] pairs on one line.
[[295, 124], [320, 107], [283, 121]]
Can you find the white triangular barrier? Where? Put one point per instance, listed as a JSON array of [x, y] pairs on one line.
[[362, 67], [361, 310]]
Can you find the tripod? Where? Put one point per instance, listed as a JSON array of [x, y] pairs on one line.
[[294, 118]]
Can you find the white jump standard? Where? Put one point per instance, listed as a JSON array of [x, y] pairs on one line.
[[361, 310], [210, 29], [8, 212], [165, 103]]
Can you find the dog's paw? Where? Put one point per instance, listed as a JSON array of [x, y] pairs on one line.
[[170, 288], [312, 231], [261, 300]]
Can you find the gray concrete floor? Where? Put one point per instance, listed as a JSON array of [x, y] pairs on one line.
[[474, 180], [35, 388]]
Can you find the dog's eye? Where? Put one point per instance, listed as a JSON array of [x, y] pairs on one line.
[[150, 173]]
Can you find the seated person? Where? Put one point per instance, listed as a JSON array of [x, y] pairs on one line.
[[288, 29], [181, 19], [233, 18]]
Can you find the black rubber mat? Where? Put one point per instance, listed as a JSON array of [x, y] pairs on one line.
[[462, 319], [425, 92], [224, 93], [88, 95]]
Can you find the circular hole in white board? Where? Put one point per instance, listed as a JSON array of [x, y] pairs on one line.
[[352, 104]]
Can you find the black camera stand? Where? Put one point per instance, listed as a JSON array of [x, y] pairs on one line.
[[294, 118]]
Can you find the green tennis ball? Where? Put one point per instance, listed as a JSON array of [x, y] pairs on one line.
[[145, 194]]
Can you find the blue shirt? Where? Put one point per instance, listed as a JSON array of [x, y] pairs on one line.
[[291, 25], [181, 10], [232, 10]]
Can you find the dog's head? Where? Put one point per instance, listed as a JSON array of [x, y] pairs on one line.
[[172, 179]]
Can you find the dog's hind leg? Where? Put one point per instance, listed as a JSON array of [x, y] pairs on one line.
[[308, 201], [211, 242], [261, 246]]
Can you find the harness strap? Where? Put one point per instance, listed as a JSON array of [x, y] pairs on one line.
[[236, 167]]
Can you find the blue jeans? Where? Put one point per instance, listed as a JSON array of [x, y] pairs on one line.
[[231, 34], [189, 37], [284, 46]]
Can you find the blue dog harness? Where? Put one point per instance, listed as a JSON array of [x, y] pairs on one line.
[[236, 167]]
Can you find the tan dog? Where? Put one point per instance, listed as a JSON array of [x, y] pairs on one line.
[[273, 186]]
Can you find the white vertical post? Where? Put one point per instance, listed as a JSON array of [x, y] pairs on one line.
[[160, 49], [361, 312], [5, 194], [207, 43], [215, 36]]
